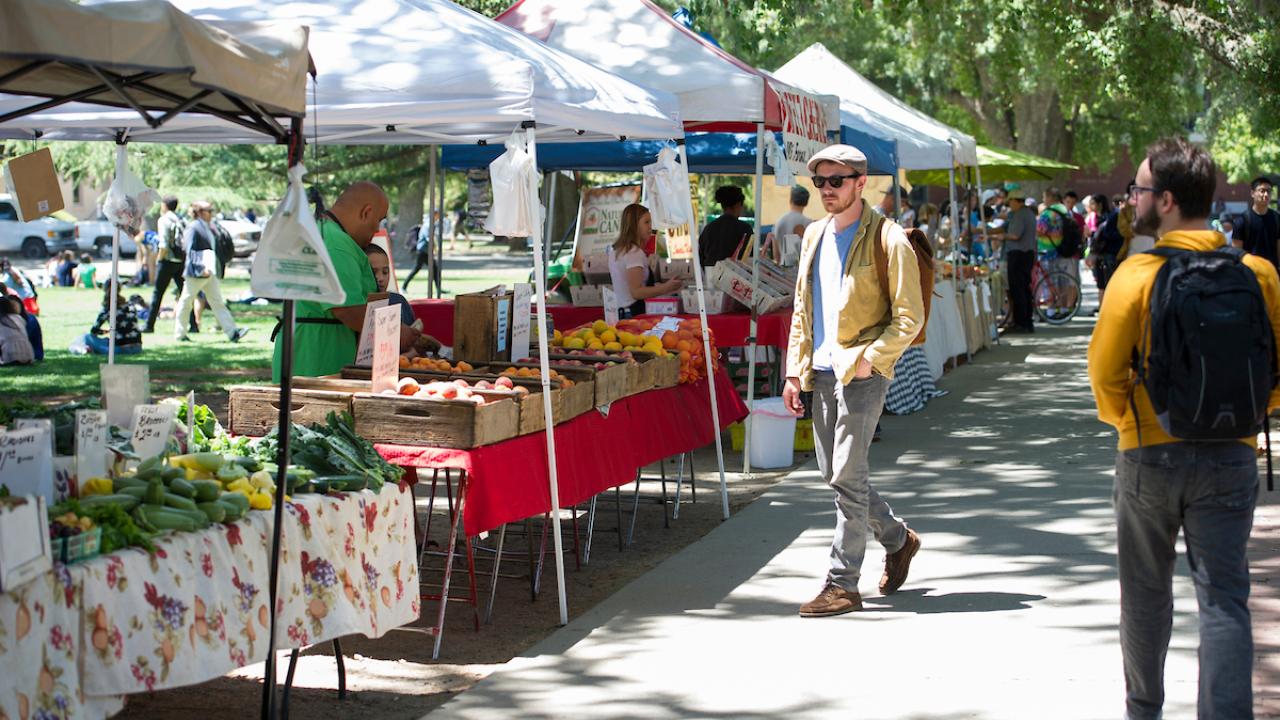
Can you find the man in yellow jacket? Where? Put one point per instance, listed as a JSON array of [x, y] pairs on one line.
[[1163, 484], [846, 335]]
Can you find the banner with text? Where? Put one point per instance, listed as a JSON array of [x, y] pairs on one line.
[[804, 127], [600, 221]]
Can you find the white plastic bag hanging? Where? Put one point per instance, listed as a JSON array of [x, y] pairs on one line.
[[292, 262], [777, 159], [666, 189], [515, 211], [128, 199]]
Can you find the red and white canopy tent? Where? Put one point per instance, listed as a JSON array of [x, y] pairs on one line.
[[716, 91]]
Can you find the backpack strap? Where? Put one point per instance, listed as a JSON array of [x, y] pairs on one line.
[[882, 254]]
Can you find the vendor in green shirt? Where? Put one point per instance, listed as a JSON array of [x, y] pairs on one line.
[[326, 337]]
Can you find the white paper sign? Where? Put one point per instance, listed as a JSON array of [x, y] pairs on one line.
[[665, 325], [610, 304], [386, 348], [91, 443], [503, 314], [26, 462], [123, 387], [364, 356], [520, 321], [152, 425]]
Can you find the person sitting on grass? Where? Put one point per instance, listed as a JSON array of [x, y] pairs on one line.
[[381, 266], [85, 274], [35, 335], [128, 337], [65, 271], [15, 346]]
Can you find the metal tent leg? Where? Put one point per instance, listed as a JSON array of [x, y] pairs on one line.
[[493, 580], [635, 509], [591, 527]]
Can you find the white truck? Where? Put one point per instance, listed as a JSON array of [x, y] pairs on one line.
[[95, 236], [35, 238]]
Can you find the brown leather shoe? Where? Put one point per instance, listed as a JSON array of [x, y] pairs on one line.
[[897, 564], [833, 600]]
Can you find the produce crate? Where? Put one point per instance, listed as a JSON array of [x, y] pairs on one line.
[[610, 383], [588, 295], [662, 372], [575, 399], [435, 423], [482, 327], [531, 416], [77, 548], [254, 410]]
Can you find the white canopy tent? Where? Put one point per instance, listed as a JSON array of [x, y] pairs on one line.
[[423, 72], [717, 92], [161, 65]]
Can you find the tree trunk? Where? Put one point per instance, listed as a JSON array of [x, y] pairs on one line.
[[412, 198]]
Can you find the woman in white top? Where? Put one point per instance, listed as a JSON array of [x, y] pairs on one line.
[[629, 266]]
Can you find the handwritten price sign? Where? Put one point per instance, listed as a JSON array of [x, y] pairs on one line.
[[91, 443], [386, 348], [26, 462], [151, 427]]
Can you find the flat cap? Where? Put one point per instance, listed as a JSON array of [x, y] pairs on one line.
[[201, 205], [846, 155]]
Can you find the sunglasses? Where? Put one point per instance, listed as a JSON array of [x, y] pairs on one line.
[[820, 181]]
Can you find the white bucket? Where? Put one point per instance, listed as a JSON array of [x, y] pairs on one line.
[[773, 434]]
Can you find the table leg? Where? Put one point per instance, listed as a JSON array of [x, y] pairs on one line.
[[635, 509], [493, 580], [666, 515], [542, 554], [591, 526], [533, 564], [342, 669], [675, 510], [693, 480], [288, 684], [617, 511], [431, 506], [454, 528]]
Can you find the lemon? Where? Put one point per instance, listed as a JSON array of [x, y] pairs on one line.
[[599, 326], [613, 346], [574, 343], [608, 336], [595, 345], [626, 338]]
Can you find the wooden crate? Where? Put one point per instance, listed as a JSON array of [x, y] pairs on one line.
[[531, 415], [254, 410], [482, 327], [666, 371], [435, 423], [573, 400], [609, 383]]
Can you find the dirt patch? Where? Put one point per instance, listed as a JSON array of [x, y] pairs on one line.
[[394, 676]]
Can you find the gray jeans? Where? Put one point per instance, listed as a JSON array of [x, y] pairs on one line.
[[1208, 490], [844, 419]]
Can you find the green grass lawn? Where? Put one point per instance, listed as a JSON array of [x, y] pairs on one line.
[[207, 365]]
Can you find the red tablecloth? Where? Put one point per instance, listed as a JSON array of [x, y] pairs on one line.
[[730, 328], [508, 481]]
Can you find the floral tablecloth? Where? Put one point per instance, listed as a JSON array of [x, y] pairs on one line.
[[132, 622]]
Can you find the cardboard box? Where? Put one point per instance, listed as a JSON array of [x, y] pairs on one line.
[[587, 295], [24, 541], [596, 268], [482, 327], [34, 184], [668, 269], [666, 305], [734, 278], [718, 301]]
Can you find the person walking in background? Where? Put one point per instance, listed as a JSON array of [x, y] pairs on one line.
[[846, 335], [722, 237], [200, 275], [792, 223], [1207, 489], [1019, 241], [148, 242], [1259, 227], [1105, 242], [421, 245], [170, 257]]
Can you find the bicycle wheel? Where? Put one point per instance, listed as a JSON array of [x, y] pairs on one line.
[[1057, 297]]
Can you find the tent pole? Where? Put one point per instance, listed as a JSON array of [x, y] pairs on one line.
[[706, 340], [540, 294], [121, 160], [549, 181], [284, 429], [955, 220], [897, 198], [428, 222], [439, 246], [755, 289]]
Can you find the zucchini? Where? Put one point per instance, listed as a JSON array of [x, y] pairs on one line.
[[178, 486], [155, 493], [126, 502], [152, 463], [207, 490], [216, 512], [138, 491], [345, 483], [170, 473], [161, 519], [233, 510], [235, 498], [248, 463], [128, 481], [180, 502]]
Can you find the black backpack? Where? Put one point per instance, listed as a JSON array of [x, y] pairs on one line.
[[1212, 363], [1108, 240], [1072, 241]]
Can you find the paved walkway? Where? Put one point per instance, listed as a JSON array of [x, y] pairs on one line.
[[1010, 611]]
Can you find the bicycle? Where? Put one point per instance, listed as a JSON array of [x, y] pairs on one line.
[[1055, 294]]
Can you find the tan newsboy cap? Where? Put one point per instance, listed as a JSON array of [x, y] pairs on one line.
[[847, 155]]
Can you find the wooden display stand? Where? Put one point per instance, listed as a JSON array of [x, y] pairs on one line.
[[254, 410]]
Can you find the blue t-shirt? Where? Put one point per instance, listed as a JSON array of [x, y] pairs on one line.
[[844, 243]]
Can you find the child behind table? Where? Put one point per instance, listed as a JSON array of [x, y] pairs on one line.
[[381, 266]]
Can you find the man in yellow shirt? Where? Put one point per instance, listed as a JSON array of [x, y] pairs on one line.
[[846, 335], [1208, 489]]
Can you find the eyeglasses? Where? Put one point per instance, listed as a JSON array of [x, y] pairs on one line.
[[820, 181], [1137, 190], [1263, 190]]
